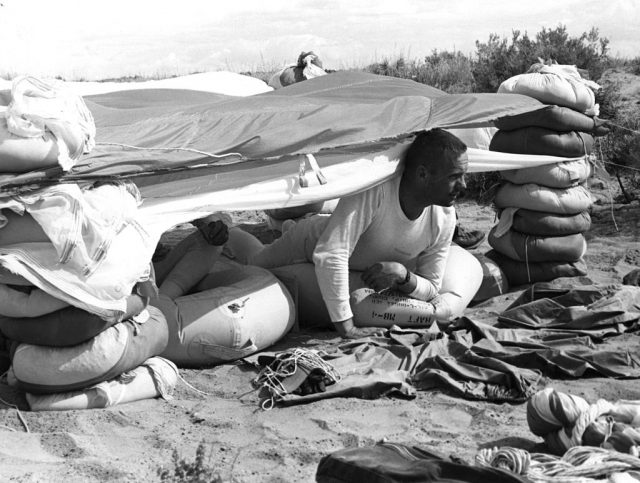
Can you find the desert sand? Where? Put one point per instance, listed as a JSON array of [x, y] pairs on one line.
[[246, 444]]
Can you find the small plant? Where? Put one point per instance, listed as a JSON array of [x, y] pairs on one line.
[[184, 471]]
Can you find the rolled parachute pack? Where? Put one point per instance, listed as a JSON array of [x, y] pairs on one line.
[[521, 273], [494, 280], [556, 175], [556, 118], [478, 138], [527, 248], [542, 141], [121, 348], [44, 124], [279, 215], [463, 277], [233, 312], [156, 377], [62, 328], [564, 201], [310, 307], [538, 223], [565, 421], [552, 87], [373, 309]]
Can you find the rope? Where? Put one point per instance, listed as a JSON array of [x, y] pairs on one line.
[[20, 416], [578, 464], [621, 166], [613, 216], [526, 257], [624, 128], [190, 150], [285, 365], [194, 389]]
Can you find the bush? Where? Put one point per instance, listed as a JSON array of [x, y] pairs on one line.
[[447, 71], [190, 472], [621, 147], [501, 58]]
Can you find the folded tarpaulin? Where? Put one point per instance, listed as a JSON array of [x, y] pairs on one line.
[[193, 152]]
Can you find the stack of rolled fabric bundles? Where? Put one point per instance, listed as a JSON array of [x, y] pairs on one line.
[[544, 210], [73, 315], [73, 298]]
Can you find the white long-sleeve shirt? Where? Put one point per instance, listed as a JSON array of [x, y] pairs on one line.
[[371, 227]]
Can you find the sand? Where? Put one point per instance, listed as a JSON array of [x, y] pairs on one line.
[[246, 444]]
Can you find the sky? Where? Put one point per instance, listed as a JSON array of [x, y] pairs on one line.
[[99, 39]]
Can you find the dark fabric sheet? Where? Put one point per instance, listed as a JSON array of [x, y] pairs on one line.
[[392, 462], [501, 362]]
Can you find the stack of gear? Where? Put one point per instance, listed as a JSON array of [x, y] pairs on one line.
[[565, 421], [544, 210], [74, 271]]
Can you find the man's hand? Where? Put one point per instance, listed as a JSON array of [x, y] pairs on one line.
[[384, 275], [215, 232], [349, 331]]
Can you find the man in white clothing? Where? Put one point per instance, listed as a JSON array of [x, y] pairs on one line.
[[397, 234]]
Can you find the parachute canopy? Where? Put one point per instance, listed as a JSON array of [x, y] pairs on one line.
[[193, 152]]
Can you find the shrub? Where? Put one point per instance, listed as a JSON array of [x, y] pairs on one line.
[[448, 71], [501, 58], [185, 471]]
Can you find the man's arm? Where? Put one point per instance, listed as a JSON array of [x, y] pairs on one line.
[[431, 263], [331, 256]]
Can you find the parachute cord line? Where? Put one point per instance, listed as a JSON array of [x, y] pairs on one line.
[[624, 128], [194, 389], [613, 216], [286, 364], [526, 257], [20, 416], [190, 150], [622, 166]]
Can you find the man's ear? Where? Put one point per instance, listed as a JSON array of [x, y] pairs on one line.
[[421, 172]]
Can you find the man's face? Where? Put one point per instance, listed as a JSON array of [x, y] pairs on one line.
[[447, 182]]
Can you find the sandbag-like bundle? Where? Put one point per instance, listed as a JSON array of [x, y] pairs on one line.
[[462, 279], [155, 377], [521, 273], [62, 328], [494, 281], [233, 312], [527, 248], [121, 348], [43, 125], [542, 141], [538, 223], [556, 175], [567, 201], [478, 138], [566, 421], [556, 118], [552, 89], [310, 307]]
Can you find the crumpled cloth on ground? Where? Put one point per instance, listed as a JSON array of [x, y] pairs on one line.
[[394, 462], [496, 363], [601, 309], [98, 251], [39, 107]]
